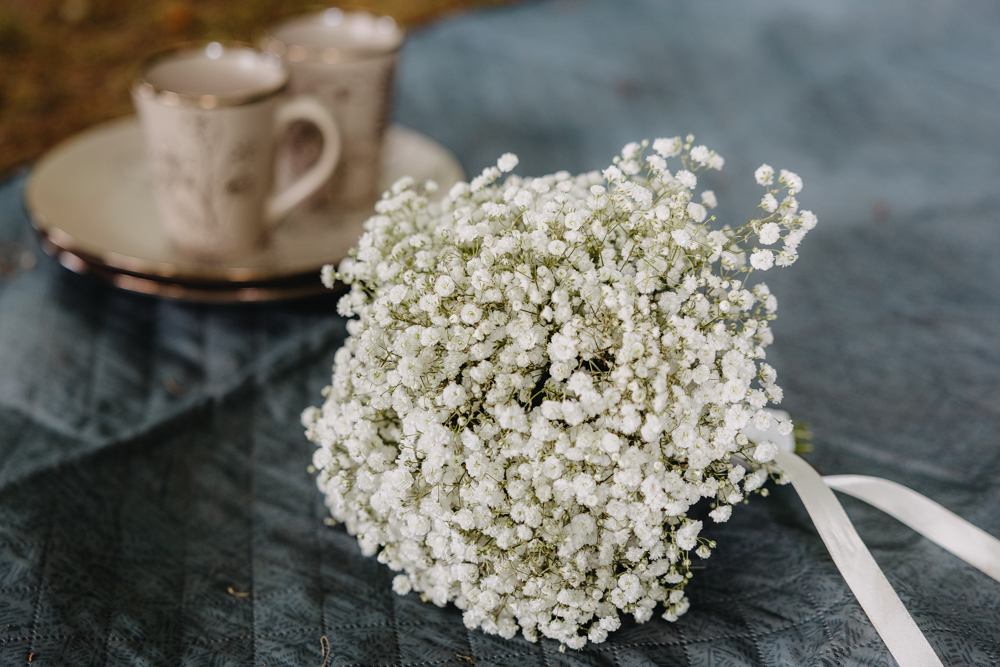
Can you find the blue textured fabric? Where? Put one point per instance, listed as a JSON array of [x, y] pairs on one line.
[[155, 507]]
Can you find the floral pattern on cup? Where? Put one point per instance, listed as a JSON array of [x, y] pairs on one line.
[[197, 192]]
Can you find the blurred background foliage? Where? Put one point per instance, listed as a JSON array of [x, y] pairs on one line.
[[67, 64]]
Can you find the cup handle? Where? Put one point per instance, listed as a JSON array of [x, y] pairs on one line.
[[310, 109]]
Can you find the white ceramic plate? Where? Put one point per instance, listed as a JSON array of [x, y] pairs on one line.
[[92, 198]]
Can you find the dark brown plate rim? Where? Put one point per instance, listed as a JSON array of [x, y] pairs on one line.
[[288, 288]]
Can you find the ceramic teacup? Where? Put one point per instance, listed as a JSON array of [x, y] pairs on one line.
[[211, 116], [346, 59]]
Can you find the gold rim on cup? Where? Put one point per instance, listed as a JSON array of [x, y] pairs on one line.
[[298, 53], [144, 88]]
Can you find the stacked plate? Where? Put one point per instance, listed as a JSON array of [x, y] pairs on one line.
[[91, 201]]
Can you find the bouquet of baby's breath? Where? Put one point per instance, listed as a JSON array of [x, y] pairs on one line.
[[544, 375]]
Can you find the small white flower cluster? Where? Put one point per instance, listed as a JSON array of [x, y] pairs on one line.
[[544, 375]]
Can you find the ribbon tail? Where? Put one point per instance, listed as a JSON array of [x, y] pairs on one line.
[[866, 580], [942, 527]]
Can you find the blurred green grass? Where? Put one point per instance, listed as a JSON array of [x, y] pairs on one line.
[[67, 64]]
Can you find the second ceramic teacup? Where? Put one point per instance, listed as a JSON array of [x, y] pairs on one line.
[[347, 60], [211, 116]]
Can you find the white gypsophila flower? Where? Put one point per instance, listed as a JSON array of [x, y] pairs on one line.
[[686, 179], [722, 513], [507, 162], [765, 451], [770, 233], [791, 180], [543, 377], [696, 211], [401, 584], [769, 203], [327, 276], [762, 260], [444, 286], [631, 150], [808, 220], [471, 313], [682, 237], [668, 148], [764, 174]]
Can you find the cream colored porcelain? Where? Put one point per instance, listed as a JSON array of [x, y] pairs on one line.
[[211, 117], [92, 196], [347, 60]]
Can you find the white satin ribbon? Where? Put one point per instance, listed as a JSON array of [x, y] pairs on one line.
[[945, 529], [864, 577]]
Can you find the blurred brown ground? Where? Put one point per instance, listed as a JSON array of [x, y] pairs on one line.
[[67, 64]]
